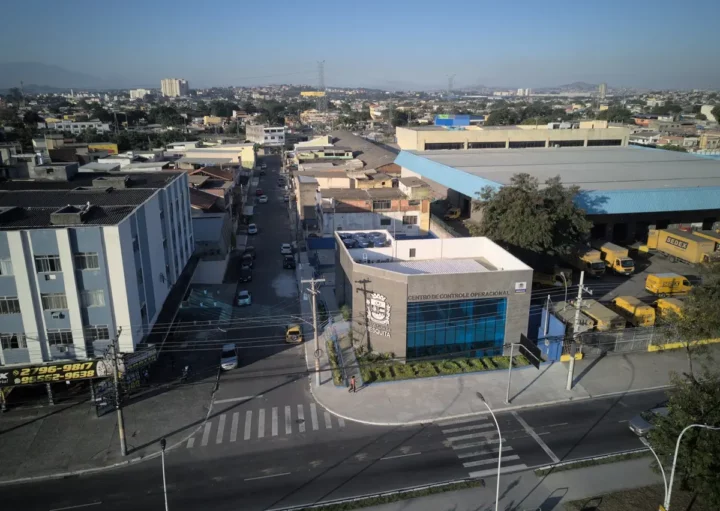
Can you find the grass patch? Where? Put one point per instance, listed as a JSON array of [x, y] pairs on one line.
[[379, 368], [646, 498], [396, 497], [334, 363], [592, 463]]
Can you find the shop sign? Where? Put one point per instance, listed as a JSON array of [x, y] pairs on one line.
[[457, 296], [51, 373]]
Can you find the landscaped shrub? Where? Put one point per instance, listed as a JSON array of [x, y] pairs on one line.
[[449, 367], [346, 312], [403, 371], [334, 363], [501, 362], [424, 369]]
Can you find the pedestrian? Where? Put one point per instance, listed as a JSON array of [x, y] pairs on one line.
[[352, 384]]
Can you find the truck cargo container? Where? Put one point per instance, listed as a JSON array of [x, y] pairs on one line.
[[636, 312], [616, 257], [668, 306], [681, 245], [711, 235], [603, 318], [667, 284], [586, 259], [565, 311]]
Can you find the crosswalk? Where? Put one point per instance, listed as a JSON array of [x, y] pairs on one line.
[[477, 446], [258, 424]]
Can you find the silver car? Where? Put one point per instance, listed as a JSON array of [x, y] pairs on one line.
[[642, 423]]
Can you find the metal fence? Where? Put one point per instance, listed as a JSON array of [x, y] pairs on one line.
[[618, 342]]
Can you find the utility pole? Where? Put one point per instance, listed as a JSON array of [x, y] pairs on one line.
[[576, 327], [118, 404], [314, 292]]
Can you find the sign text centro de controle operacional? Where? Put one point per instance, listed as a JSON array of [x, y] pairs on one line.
[[51, 373], [456, 296]]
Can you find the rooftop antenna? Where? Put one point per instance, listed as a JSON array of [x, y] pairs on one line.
[[451, 78], [322, 100]]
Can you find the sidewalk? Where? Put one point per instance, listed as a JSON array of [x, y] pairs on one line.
[[429, 399], [529, 492]]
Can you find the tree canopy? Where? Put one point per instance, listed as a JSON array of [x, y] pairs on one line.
[[524, 215], [716, 112], [616, 113]]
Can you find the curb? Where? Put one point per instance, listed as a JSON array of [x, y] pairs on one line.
[[432, 420], [133, 461], [570, 463]]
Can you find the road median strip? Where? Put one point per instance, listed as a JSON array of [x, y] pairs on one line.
[[591, 462]]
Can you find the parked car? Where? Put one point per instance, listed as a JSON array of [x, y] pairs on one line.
[[251, 251], [293, 334], [262, 172], [281, 182], [252, 229], [228, 357], [245, 275], [244, 298], [259, 192], [345, 235], [262, 199], [286, 198], [289, 262], [642, 423], [246, 261], [362, 241], [286, 249], [263, 166], [350, 243]]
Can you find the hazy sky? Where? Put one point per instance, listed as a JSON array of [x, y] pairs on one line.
[[405, 44]]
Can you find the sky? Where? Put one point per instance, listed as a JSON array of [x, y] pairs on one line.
[[386, 44]]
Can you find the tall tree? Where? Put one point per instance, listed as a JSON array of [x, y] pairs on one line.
[[616, 113], [716, 112], [521, 214]]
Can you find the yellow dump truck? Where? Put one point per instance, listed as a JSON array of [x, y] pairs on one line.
[[667, 306], [616, 257], [681, 245], [634, 311], [603, 318], [667, 284], [586, 259]]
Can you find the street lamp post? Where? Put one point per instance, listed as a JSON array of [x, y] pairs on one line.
[[646, 443], [163, 443], [677, 448], [497, 490]]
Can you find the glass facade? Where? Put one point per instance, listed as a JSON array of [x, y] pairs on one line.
[[456, 326]]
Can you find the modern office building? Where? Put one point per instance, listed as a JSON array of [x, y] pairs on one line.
[[174, 87], [82, 256], [553, 135], [265, 135], [426, 297]]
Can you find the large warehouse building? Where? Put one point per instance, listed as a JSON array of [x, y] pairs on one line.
[[624, 190]]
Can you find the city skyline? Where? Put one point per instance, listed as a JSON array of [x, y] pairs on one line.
[[378, 45]]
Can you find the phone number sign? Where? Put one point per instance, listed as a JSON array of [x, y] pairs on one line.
[[51, 373]]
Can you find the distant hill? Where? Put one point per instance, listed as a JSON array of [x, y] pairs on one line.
[[574, 87], [46, 76]]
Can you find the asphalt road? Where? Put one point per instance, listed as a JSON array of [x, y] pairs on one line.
[[298, 468]]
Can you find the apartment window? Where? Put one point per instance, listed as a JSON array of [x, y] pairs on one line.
[[13, 341], [410, 220], [47, 263], [92, 298], [524, 144], [444, 145], [54, 301], [97, 333], [411, 253], [413, 202], [381, 204], [60, 337], [136, 244], [567, 143], [486, 145], [384, 221], [6, 267], [597, 143], [9, 305], [87, 261]]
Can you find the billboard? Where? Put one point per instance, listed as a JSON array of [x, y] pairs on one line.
[[312, 93], [104, 146], [452, 120], [51, 373]]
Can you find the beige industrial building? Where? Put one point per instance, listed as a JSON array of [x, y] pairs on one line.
[[582, 134]]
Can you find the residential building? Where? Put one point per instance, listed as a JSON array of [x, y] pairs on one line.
[[602, 91], [243, 154], [317, 117], [432, 297], [686, 142], [273, 136], [213, 235], [645, 138], [83, 256], [673, 127], [174, 87], [77, 127], [709, 141], [139, 93], [582, 134], [378, 112], [212, 120]]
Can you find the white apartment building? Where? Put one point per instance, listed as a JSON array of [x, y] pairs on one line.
[[139, 93], [266, 135], [77, 127], [174, 87]]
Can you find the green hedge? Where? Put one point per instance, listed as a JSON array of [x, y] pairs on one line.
[[377, 368], [334, 363]]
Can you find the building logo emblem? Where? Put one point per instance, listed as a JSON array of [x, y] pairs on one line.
[[4, 378], [378, 310]]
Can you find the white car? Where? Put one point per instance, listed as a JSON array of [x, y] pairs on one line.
[[263, 199], [228, 357], [252, 229], [286, 249], [244, 298]]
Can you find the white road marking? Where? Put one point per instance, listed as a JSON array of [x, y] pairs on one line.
[[191, 442], [493, 471], [471, 435], [274, 421], [265, 477], [313, 416], [341, 422], [248, 425], [301, 418], [261, 423], [463, 420], [536, 437], [288, 419], [206, 434], [234, 427], [556, 425], [400, 456], [236, 399], [328, 421], [468, 428], [221, 430], [78, 506], [475, 444], [626, 420], [491, 450], [471, 464]]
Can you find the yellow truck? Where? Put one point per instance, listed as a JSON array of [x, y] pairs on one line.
[[667, 306], [667, 284], [681, 245], [616, 257], [587, 259], [452, 214], [711, 235], [634, 311], [602, 317]]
